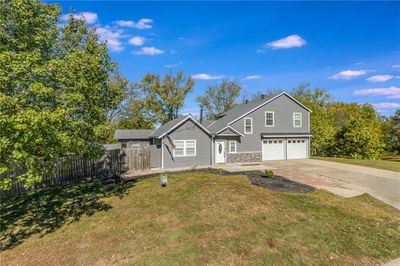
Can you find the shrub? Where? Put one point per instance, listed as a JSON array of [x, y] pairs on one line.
[[269, 173]]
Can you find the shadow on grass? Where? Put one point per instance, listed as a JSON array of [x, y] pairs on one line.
[[46, 210]]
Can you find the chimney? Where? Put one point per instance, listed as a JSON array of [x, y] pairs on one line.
[[246, 101], [201, 114], [262, 96]]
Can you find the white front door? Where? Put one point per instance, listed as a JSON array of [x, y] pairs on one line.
[[220, 151], [273, 149], [296, 149]]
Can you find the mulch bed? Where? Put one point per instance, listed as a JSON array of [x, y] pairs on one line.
[[275, 183]]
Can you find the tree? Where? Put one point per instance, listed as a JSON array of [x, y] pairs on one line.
[[268, 93], [391, 129], [321, 124], [358, 140], [54, 95], [118, 86], [219, 98], [133, 115], [163, 98], [358, 131]]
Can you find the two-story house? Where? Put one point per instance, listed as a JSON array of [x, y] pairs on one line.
[[269, 128]]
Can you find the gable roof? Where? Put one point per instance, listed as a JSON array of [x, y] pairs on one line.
[[171, 125], [132, 133], [228, 130], [244, 109]]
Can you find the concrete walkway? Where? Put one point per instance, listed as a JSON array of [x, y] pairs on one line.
[[342, 179]]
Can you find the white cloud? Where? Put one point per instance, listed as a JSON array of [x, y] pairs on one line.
[[396, 66], [149, 51], [204, 76], [252, 77], [90, 17], [111, 37], [287, 42], [174, 65], [348, 74], [391, 92], [386, 105], [125, 23], [142, 24], [137, 40], [380, 78]]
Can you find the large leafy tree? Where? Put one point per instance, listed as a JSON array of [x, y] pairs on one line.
[[164, 97], [54, 93], [358, 131], [392, 133], [133, 114], [219, 98], [356, 139]]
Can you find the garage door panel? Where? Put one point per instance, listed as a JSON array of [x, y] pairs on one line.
[[296, 149], [273, 149]]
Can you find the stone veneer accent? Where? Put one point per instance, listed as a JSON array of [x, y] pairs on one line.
[[243, 157]]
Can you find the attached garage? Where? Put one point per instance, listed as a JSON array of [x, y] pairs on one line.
[[273, 149], [284, 149], [296, 149]]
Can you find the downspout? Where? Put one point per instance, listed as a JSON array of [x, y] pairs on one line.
[[212, 149], [162, 153], [309, 138]]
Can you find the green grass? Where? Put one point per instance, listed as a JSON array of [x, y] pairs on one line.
[[392, 165], [199, 218]]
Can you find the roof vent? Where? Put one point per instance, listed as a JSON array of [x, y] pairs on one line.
[[246, 101], [262, 96]]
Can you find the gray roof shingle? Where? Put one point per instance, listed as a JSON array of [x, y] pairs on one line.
[[234, 113], [167, 126], [132, 133]]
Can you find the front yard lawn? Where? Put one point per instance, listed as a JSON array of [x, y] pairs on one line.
[[391, 165], [199, 218]]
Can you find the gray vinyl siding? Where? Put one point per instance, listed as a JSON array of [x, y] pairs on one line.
[[188, 131], [283, 108], [142, 142], [155, 156]]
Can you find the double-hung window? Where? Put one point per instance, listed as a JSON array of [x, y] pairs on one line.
[[184, 148], [232, 146], [296, 119], [269, 119], [248, 125]]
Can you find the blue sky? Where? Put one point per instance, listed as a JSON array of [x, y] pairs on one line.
[[351, 49]]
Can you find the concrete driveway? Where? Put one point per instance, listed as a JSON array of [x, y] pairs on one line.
[[342, 179]]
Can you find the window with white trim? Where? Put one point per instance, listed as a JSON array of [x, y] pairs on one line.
[[248, 125], [269, 119], [184, 148], [232, 146], [296, 119]]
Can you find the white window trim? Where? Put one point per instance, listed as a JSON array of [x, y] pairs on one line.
[[273, 118], [294, 119], [251, 128], [230, 145], [184, 148]]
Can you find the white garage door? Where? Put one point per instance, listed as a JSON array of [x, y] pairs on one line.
[[296, 149], [273, 149]]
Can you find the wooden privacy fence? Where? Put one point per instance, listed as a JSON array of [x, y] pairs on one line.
[[77, 168], [137, 159]]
